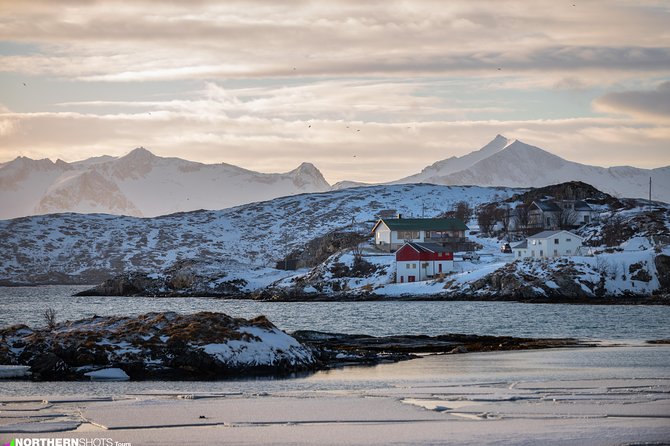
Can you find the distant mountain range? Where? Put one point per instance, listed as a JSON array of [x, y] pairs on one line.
[[512, 163], [142, 184]]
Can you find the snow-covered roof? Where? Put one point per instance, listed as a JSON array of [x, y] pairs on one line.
[[549, 234]]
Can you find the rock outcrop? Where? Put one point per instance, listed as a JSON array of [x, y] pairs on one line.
[[156, 346]]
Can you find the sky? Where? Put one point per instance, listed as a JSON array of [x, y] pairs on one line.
[[365, 90]]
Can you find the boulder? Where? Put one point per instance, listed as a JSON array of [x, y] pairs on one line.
[[662, 263]]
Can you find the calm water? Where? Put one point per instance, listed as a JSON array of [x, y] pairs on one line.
[[534, 365], [595, 322], [620, 323]]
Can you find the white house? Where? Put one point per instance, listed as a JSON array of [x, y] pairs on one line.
[[390, 234], [553, 214], [548, 244], [422, 261]]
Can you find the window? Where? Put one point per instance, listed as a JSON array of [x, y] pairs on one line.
[[408, 266], [555, 252], [556, 241], [408, 235], [568, 251], [568, 239], [532, 253], [541, 253], [533, 242]]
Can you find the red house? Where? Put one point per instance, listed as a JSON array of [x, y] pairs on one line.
[[422, 261]]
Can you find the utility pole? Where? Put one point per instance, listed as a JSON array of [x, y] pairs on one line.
[[649, 193]]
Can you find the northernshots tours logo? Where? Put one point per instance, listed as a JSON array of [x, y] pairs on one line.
[[65, 442]]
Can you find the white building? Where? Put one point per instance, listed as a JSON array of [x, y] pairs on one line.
[[548, 244], [391, 234], [554, 214], [416, 262]]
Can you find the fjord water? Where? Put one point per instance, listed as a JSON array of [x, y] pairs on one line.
[[618, 323], [634, 323]]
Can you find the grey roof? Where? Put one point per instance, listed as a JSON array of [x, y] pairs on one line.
[[581, 205], [549, 234], [547, 206], [428, 247], [521, 245]]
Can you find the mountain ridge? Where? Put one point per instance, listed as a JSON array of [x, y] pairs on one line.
[[141, 184], [523, 165]]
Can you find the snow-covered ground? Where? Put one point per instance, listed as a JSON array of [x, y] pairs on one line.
[[243, 242], [625, 269]]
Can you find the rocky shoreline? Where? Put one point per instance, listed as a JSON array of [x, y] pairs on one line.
[[125, 287], [557, 281], [213, 346]]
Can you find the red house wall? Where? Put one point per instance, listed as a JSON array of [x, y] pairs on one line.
[[407, 253]]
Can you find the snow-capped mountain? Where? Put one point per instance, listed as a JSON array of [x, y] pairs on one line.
[[456, 164], [141, 184], [512, 163], [238, 242]]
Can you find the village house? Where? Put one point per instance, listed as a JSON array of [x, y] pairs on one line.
[[556, 214], [548, 244], [416, 262], [391, 233]]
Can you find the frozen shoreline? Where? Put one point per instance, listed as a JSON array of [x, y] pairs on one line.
[[615, 395]]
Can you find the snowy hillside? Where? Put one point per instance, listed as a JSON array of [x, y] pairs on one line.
[[512, 163], [141, 184], [628, 255], [239, 242]]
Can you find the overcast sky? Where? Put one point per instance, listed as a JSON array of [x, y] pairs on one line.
[[365, 90]]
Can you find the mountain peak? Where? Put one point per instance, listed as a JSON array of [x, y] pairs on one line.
[[139, 153], [308, 174], [455, 164]]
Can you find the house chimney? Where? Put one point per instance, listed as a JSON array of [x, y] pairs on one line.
[[399, 216]]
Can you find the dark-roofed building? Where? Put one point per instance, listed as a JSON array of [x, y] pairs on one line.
[[550, 214], [390, 234], [416, 262]]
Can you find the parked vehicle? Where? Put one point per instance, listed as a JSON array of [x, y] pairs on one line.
[[506, 248], [470, 255]]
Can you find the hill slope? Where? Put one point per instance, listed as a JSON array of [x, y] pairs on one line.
[[77, 248]]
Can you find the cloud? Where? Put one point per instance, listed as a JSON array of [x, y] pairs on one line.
[[648, 105], [133, 41], [380, 151], [421, 80]]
